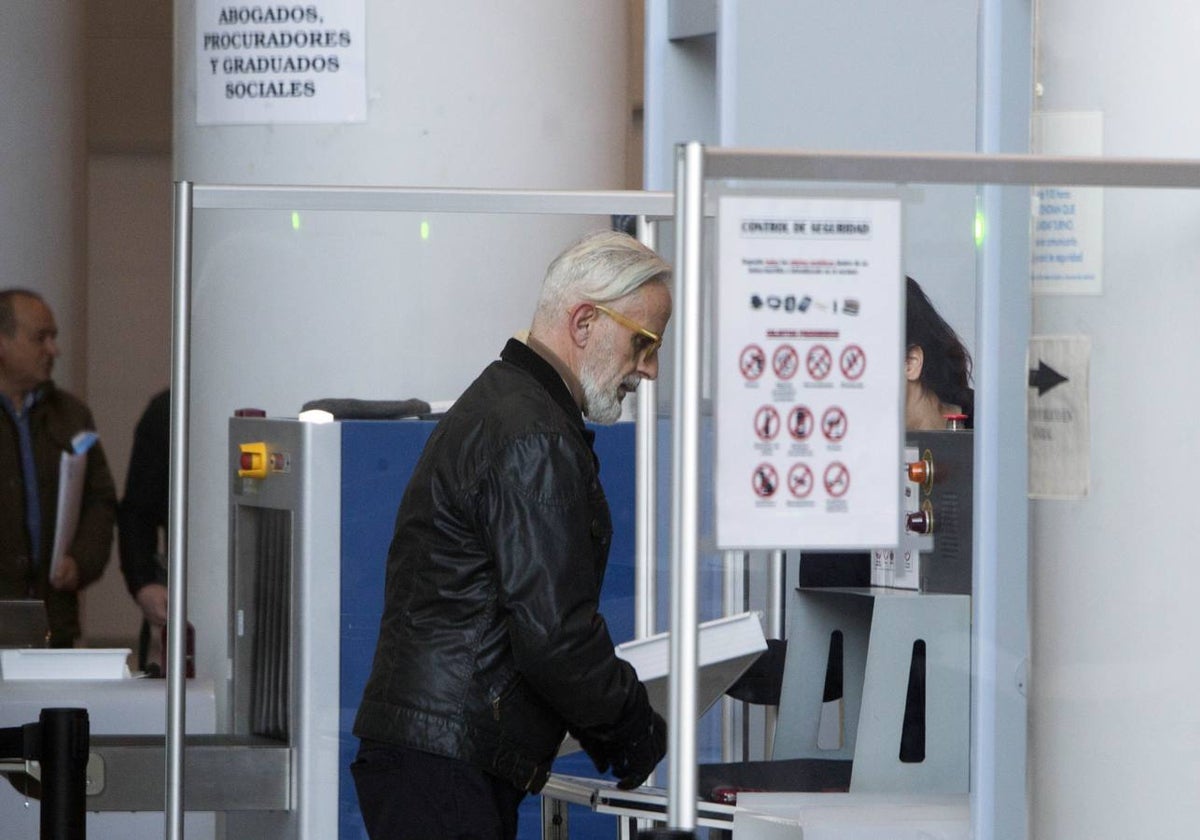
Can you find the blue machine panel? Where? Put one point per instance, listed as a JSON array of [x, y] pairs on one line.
[[377, 461]]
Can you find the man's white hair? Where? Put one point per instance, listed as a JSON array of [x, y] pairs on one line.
[[601, 267]]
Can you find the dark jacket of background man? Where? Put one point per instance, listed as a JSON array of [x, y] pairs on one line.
[[54, 419]]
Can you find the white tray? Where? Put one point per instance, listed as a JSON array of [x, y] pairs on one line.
[[64, 664]]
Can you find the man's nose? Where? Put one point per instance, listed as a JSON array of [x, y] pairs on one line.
[[648, 368]]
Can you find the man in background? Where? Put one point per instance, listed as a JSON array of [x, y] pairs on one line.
[[142, 520], [38, 423]]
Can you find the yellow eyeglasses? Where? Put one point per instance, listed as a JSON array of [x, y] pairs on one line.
[[653, 340]]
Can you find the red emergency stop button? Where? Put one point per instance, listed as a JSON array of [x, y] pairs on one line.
[[252, 463], [920, 522]]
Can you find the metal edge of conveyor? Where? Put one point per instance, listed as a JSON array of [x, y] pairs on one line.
[[222, 773], [649, 803]]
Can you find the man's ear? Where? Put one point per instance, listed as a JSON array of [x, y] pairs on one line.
[[580, 320], [914, 361]]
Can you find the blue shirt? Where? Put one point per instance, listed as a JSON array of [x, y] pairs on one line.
[[33, 508]]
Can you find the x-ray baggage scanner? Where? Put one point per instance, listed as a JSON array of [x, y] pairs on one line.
[[312, 510]]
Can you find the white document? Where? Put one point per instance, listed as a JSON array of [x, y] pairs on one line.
[[72, 469]]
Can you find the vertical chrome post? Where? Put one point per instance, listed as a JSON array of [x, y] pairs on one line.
[[736, 599], [177, 517], [645, 556], [645, 582], [1003, 314], [775, 619], [685, 482]]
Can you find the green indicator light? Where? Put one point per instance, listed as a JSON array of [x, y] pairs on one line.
[[979, 229], [295, 220], [425, 230]]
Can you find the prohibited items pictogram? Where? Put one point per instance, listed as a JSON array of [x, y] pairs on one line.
[[800, 480], [765, 481], [853, 362], [766, 423], [785, 361], [800, 422], [834, 424], [753, 362], [837, 479], [818, 361]]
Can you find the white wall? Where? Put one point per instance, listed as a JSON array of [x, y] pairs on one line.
[[42, 157], [129, 347], [128, 201], [1115, 731], [527, 94]]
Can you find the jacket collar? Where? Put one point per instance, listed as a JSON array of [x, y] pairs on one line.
[[517, 353], [32, 398]]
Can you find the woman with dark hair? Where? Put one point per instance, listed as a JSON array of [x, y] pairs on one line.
[[937, 367]]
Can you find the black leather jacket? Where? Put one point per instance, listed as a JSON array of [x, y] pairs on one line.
[[490, 645]]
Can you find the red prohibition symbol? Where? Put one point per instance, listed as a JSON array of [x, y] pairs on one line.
[[800, 422], [753, 362], [818, 361], [800, 480], [765, 480], [785, 362], [834, 424], [837, 479], [766, 423], [853, 362]]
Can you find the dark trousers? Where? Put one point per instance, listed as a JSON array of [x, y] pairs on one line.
[[406, 793]]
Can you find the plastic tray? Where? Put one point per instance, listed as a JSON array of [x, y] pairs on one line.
[[64, 664]]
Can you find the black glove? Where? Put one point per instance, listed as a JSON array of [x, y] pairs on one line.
[[632, 748], [633, 760], [597, 751]]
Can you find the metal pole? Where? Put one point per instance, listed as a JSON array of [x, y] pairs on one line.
[[733, 598], [685, 441], [177, 521], [645, 559], [645, 583], [64, 742], [776, 613], [1000, 600]]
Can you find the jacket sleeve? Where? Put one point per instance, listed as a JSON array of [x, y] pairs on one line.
[[142, 513], [541, 517]]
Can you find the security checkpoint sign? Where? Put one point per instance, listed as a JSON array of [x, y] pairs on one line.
[[810, 314], [1059, 429]]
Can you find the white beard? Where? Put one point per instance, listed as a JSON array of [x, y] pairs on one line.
[[601, 394]]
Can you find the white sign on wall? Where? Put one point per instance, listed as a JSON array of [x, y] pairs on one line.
[[1068, 221], [281, 62], [1060, 444], [809, 369]]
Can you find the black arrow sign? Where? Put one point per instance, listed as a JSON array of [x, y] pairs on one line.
[[1045, 378]]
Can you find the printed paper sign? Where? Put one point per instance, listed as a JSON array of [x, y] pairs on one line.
[[1059, 430], [1068, 221], [809, 370], [281, 62]]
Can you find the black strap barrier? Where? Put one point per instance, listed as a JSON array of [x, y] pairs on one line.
[[60, 741]]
